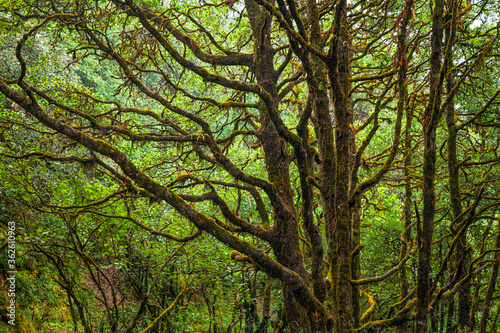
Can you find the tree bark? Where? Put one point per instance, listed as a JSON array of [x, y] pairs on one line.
[[491, 286], [403, 104], [463, 309], [340, 229], [431, 119], [407, 208], [285, 242]]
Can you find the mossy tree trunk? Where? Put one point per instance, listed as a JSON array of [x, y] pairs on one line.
[[288, 76]]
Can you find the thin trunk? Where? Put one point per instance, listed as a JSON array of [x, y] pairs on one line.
[[426, 231], [356, 263], [475, 302], [406, 235], [266, 306], [463, 310], [355, 222], [442, 317], [436, 310], [494, 325], [431, 119], [356, 232], [340, 238], [450, 316], [322, 120], [402, 91], [491, 286], [317, 107]]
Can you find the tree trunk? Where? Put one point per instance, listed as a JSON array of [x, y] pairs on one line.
[[285, 243], [431, 119], [340, 230], [491, 286], [406, 234], [402, 92], [463, 310]]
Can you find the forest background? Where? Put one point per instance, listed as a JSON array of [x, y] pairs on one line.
[[250, 165]]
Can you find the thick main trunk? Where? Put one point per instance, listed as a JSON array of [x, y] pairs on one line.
[[285, 242]]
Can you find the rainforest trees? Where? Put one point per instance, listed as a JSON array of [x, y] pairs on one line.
[[283, 129]]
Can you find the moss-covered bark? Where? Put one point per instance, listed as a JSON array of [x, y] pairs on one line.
[[292, 73], [431, 119]]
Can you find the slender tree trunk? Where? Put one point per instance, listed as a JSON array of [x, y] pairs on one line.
[[356, 218], [356, 263], [406, 235], [266, 306], [463, 310], [494, 325], [426, 231], [450, 315], [431, 119], [434, 315], [356, 231], [491, 286], [402, 91], [340, 230], [442, 317]]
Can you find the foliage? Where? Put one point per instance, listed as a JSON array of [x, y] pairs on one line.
[[252, 166]]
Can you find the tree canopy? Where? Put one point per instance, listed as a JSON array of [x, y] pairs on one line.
[[283, 165]]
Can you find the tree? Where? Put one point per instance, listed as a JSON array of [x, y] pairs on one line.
[[271, 125]]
